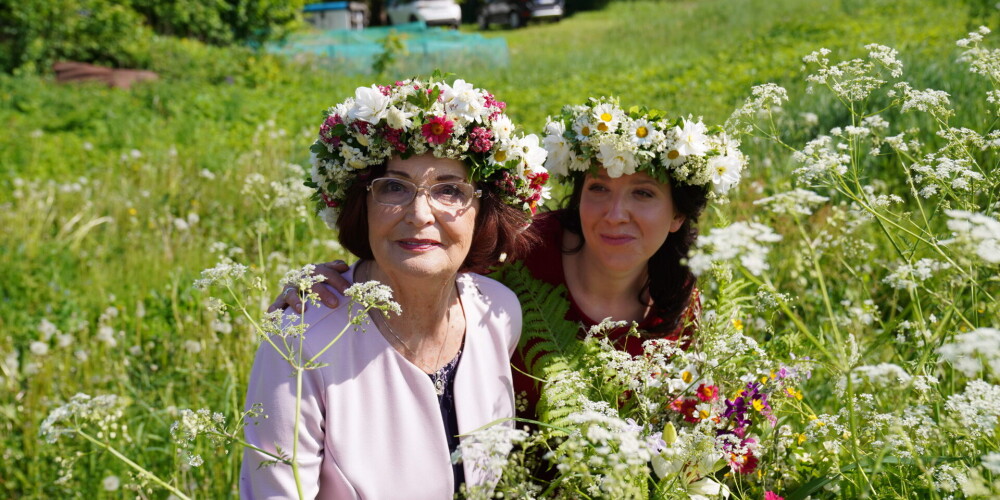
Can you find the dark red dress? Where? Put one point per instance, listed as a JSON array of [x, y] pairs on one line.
[[545, 264]]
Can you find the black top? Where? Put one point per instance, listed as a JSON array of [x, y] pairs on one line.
[[446, 401]]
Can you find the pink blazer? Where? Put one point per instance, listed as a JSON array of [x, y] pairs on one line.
[[370, 424]]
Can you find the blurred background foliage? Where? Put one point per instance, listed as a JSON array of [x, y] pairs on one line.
[[133, 33]]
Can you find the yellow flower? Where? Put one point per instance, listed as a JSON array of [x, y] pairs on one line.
[[736, 322], [132, 211], [687, 377], [758, 405], [801, 438], [793, 392]]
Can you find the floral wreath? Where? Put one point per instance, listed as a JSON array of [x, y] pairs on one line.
[[601, 134], [415, 117]]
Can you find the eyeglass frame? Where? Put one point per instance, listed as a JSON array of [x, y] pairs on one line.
[[476, 193]]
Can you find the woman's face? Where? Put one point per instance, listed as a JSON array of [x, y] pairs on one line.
[[421, 238], [625, 220]]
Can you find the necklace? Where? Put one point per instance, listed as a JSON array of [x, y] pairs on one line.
[[437, 377]]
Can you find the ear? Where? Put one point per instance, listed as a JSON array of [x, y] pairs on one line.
[[677, 222]]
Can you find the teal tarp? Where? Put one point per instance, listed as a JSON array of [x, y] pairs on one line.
[[354, 51]]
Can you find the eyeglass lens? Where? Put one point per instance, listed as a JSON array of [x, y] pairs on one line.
[[389, 191]]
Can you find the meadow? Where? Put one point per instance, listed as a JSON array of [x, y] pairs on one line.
[[112, 203]]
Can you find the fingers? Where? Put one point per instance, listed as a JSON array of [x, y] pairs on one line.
[[326, 296], [334, 281], [287, 298], [331, 272]]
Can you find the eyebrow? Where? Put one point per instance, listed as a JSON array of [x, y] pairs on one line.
[[444, 177]]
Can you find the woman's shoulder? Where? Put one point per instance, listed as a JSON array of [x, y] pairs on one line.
[[489, 290]]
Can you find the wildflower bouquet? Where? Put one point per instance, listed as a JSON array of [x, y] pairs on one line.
[[685, 418]]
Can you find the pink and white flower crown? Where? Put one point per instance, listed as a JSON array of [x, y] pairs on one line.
[[601, 134], [415, 117]]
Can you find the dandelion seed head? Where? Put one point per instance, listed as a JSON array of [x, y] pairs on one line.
[[111, 483]]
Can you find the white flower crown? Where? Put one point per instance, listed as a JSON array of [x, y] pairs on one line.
[[602, 134], [417, 117]]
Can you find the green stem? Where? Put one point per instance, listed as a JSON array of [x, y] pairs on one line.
[[245, 444], [295, 441], [335, 339], [133, 465]]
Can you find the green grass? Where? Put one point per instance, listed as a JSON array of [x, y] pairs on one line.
[[69, 249]]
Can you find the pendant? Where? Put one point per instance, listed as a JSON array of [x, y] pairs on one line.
[[439, 385]]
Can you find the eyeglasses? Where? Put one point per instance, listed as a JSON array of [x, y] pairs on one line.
[[399, 192]]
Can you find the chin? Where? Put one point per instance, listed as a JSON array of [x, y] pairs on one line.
[[422, 266]]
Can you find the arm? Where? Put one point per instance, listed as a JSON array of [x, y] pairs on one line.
[[272, 383], [332, 271]]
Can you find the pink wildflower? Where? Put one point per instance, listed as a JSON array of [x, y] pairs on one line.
[[361, 126], [480, 140], [498, 106], [708, 393], [438, 130], [330, 202], [770, 495], [394, 137], [326, 130]]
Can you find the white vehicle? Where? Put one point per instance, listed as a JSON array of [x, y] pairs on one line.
[[431, 12]]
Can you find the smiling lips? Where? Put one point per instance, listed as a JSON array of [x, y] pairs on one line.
[[418, 245], [617, 239]]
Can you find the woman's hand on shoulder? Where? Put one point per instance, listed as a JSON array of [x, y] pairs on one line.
[[332, 273]]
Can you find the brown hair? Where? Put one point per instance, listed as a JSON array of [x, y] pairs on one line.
[[668, 281], [501, 230]]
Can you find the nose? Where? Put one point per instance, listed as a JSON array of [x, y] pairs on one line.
[[419, 212], [618, 210]]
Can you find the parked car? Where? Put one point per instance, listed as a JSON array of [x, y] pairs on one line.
[[517, 13], [431, 12]]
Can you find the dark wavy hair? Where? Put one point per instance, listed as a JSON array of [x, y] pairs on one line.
[[501, 230], [668, 281]]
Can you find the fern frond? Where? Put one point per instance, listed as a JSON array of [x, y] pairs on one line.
[[546, 335], [549, 345]]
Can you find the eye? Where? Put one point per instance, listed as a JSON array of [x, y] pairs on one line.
[[450, 193], [644, 193], [393, 186], [597, 188], [449, 189]]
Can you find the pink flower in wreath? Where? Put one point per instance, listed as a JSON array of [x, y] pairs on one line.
[[770, 495], [480, 140], [438, 129]]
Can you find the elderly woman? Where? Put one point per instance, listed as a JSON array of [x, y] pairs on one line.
[[424, 182]]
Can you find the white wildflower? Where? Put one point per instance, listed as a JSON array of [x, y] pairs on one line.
[[797, 202], [374, 295], [225, 273], [967, 352], [39, 348], [111, 483], [909, 276], [977, 409], [979, 232], [744, 240], [992, 462]]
